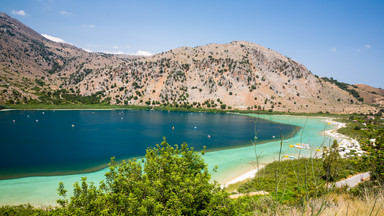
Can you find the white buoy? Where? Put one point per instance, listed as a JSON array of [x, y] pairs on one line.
[[73, 125], [273, 137], [122, 118], [37, 120], [27, 116], [43, 113], [14, 121]]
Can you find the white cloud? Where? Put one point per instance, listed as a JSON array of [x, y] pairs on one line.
[[119, 52], [54, 39], [63, 12], [19, 12], [89, 26], [333, 49], [114, 52], [93, 46], [143, 53], [368, 46]]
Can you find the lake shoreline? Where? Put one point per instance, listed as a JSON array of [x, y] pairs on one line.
[[238, 175], [249, 174], [163, 108]]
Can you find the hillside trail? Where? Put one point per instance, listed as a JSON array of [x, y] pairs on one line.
[[353, 180]]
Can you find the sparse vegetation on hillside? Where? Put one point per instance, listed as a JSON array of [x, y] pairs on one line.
[[344, 86], [236, 73]]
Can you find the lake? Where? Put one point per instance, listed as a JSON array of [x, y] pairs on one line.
[[55, 142]]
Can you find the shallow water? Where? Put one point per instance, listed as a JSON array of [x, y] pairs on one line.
[[232, 162], [235, 162]]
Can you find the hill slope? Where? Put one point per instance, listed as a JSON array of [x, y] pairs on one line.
[[28, 60], [239, 75], [370, 94]]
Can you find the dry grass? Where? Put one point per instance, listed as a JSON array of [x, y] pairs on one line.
[[369, 204], [343, 204]]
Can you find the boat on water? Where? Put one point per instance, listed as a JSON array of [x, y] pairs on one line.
[[300, 146]]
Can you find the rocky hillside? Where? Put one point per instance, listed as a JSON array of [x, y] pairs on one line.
[[371, 95], [29, 62], [237, 75]]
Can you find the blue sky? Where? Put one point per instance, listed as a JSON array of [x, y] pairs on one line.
[[343, 39]]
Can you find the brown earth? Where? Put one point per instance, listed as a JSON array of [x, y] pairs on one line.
[[239, 75]]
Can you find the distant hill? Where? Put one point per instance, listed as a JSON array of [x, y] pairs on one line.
[[371, 95], [237, 75]]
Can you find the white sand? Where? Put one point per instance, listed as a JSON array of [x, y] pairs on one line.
[[247, 175], [3, 110], [346, 144]]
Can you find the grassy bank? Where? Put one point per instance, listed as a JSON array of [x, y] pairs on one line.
[[291, 180], [164, 108], [362, 127]]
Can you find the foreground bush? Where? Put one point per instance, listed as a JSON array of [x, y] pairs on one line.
[[26, 210], [169, 181]]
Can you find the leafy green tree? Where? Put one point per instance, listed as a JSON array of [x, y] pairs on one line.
[[331, 160], [169, 181], [375, 157]]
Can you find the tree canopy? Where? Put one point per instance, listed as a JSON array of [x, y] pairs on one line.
[[169, 181]]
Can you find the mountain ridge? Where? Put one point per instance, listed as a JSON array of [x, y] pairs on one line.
[[236, 75]]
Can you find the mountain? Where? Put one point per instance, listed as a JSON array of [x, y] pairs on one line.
[[28, 61], [237, 75]]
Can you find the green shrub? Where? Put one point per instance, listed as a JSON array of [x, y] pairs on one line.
[[170, 181]]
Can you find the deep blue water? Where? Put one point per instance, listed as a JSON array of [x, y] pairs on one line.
[[52, 145]]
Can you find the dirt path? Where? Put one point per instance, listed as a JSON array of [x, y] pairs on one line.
[[353, 180], [235, 196]]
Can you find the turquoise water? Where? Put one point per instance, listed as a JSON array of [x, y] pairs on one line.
[[36, 143], [232, 162], [235, 162]]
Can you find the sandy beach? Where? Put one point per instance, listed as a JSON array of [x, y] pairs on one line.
[[248, 175], [346, 144]]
